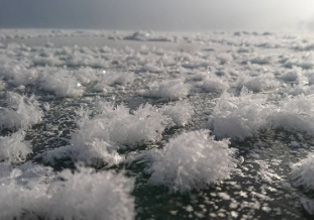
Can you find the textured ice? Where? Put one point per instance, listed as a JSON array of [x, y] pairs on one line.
[[20, 112], [190, 161]]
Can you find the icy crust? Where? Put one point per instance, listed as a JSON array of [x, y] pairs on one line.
[[14, 149], [33, 191], [190, 161], [114, 128], [21, 111], [302, 173], [238, 117], [169, 90]]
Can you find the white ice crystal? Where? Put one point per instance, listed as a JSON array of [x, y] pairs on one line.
[[258, 83], [190, 161], [181, 113], [113, 78], [294, 113], [90, 195], [169, 90], [262, 60], [32, 192], [239, 117], [2, 85], [121, 127], [214, 84], [61, 82], [21, 111], [308, 205], [13, 148], [116, 128], [303, 172]]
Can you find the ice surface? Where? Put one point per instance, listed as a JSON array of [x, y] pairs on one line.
[[255, 89]]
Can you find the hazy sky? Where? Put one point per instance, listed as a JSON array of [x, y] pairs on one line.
[[157, 14]]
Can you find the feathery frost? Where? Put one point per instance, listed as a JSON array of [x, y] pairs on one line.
[[180, 113], [21, 111], [13, 148], [33, 191], [303, 172], [190, 161], [113, 128], [169, 90], [239, 117]]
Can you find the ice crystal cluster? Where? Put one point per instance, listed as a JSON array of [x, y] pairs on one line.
[[191, 161], [33, 191]]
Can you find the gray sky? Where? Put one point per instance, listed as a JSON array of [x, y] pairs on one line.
[[157, 14]]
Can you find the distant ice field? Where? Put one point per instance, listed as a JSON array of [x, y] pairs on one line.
[[150, 125]]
